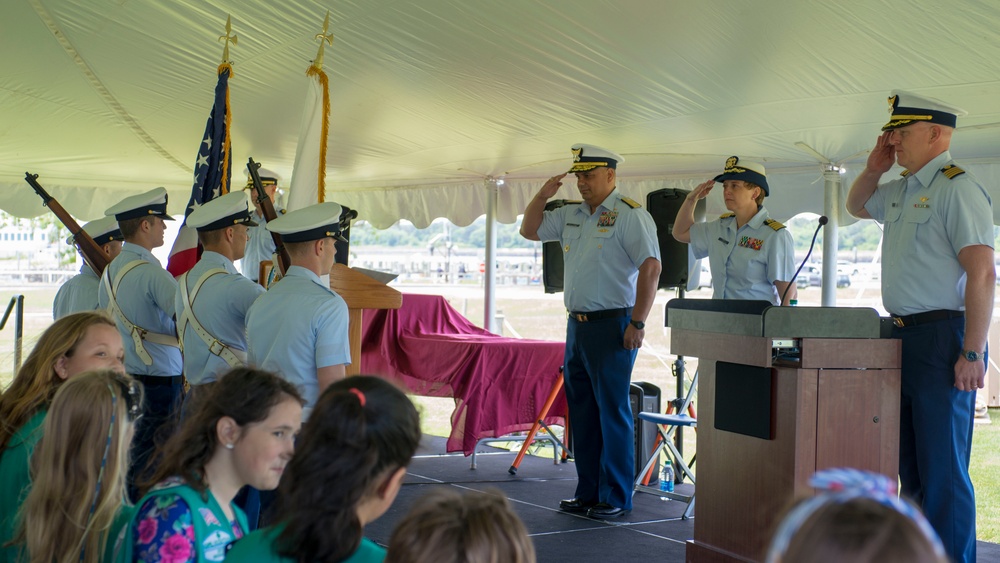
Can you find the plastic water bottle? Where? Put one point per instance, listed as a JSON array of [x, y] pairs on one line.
[[667, 477], [793, 302]]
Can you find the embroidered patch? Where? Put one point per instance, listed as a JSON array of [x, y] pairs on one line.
[[208, 516], [750, 242]]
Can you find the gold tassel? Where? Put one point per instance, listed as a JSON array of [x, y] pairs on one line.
[[224, 183], [324, 131]]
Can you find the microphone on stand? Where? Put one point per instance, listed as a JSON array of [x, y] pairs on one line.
[[822, 221]]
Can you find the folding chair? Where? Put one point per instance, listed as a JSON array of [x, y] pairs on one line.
[[666, 426]]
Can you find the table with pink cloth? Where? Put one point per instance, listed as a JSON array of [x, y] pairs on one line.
[[499, 384]]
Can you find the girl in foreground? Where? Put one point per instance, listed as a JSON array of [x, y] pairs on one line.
[[351, 461]]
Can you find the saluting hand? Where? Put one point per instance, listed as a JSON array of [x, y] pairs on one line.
[[883, 156], [552, 186], [702, 191]]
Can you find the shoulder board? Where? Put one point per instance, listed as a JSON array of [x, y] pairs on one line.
[[951, 171], [727, 215], [904, 173], [631, 203], [774, 224]]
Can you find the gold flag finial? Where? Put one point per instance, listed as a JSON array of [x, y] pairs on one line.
[[324, 40], [227, 38]]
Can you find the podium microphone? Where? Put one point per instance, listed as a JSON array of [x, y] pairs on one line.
[[822, 221]]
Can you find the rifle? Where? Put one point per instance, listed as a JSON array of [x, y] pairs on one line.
[[267, 208], [93, 255]]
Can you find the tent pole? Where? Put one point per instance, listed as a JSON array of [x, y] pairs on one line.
[[490, 274], [831, 208]]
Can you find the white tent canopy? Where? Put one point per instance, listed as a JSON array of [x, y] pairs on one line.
[[430, 98]]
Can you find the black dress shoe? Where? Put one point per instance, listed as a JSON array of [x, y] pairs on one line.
[[575, 505], [604, 511]]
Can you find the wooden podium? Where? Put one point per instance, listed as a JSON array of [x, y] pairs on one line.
[[783, 392], [360, 292]]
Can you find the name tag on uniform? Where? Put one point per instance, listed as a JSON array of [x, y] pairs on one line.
[[750, 242]]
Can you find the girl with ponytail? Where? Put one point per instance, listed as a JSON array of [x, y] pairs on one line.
[[349, 464]]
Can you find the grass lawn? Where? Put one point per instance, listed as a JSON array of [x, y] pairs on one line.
[[530, 313]]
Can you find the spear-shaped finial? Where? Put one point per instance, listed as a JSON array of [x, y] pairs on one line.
[[227, 38], [324, 40]]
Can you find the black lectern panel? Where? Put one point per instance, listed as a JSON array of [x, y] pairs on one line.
[[743, 398]]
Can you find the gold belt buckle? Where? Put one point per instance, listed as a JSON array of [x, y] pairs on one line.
[[898, 321]]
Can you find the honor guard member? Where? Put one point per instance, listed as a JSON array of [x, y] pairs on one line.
[[79, 293], [140, 294], [937, 283], [213, 298], [298, 329], [612, 266], [261, 245], [751, 255]]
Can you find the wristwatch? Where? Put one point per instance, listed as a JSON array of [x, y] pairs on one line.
[[973, 356], [637, 324]]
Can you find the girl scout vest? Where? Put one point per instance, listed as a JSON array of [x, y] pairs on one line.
[[212, 531]]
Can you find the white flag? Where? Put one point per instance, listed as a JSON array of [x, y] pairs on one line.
[[309, 175]]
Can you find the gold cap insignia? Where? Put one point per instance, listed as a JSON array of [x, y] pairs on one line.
[[576, 154], [893, 100], [731, 161]]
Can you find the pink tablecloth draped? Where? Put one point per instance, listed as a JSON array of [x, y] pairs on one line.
[[499, 384]]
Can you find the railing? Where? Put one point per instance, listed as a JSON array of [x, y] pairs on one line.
[[16, 302]]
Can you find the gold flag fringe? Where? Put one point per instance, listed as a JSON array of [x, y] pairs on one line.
[[224, 184], [324, 132]]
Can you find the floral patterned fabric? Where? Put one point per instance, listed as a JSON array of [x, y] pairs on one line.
[[164, 532]]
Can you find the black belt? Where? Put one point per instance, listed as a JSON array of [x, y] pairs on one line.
[[156, 380], [598, 315], [924, 318]]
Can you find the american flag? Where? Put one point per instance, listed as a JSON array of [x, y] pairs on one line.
[[212, 172]]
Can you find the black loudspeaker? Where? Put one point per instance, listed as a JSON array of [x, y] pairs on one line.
[[552, 257], [644, 397], [663, 205]]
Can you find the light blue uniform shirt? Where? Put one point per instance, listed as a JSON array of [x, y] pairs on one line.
[[745, 262], [928, 219], [221, 307], [296, 327], [79, 293], [602, 251], [146, 297], [260, 247]]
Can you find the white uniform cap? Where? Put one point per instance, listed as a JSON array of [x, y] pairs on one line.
[[153, 202], [315, 222], [588, 157], [267, 178], [224, 211], [906, 108], [103, 231], [745, 170]]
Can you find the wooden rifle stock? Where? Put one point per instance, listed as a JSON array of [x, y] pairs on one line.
[[267, 208], [93, 254]]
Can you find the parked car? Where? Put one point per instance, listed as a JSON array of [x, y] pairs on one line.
[[812, 275]]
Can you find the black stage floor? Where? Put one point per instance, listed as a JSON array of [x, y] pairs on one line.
[[654, 528]]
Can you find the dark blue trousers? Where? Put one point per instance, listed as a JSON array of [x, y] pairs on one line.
[[935, 434], [152, 428], [597, 372]]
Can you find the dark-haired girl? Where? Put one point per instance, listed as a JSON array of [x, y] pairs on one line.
[[240, 432], [351, 461]]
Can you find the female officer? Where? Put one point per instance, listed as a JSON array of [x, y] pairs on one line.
[[240, 432], [751, 256]]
